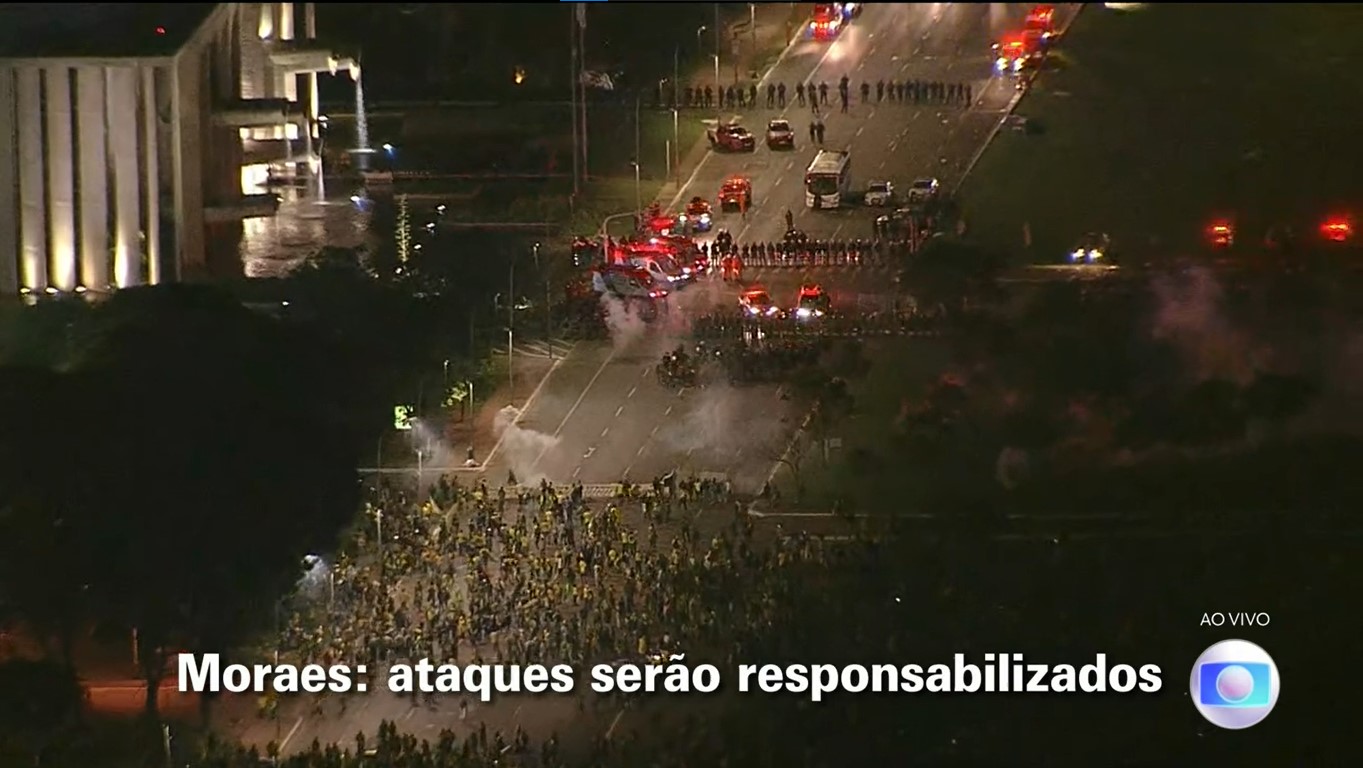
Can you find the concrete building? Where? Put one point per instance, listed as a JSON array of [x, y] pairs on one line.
[[127, 132]]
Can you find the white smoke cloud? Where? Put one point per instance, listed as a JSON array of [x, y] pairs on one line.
[[521, 447], [1189, 315], [623, 323]]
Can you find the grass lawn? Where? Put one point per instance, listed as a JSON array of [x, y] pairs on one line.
[[900, 369], [1152, 123]]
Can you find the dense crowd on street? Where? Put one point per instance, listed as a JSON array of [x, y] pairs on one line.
[[531, 574]]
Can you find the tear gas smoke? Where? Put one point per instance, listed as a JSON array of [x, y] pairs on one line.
[[1189, 315], [721, 423], [622, 322], [521, 447]]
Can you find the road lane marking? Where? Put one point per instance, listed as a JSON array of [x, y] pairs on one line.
[[577, 471], [573, 410], [779, 179], [640, 452], [529, 401], [861, 130], [292, 731], [618, 410], [668, 412], [605, 431], [690, 451], [785, 52], [632, 391], [654, 432]]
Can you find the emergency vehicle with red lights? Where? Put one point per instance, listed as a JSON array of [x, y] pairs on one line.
[[626, 281], [1016, 52], [756, 303], [656, 258], [827, 22], [735, 194], [1221, 234], [1337, 230], [1041, 19], [812, 302]]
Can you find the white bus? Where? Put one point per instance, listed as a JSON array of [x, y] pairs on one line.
[[829, 178]]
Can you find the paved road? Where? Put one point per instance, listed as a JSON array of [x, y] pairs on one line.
[[603, 413], [602, 416], [948, 42]]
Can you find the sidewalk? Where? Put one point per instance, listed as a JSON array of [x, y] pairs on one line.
[[777, 24]]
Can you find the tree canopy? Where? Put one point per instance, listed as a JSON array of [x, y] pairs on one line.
[[171, 470]]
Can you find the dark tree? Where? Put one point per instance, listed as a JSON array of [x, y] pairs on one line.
[[219, 465], [40, 701]]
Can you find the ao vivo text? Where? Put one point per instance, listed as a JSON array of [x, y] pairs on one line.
[[1235, 619]]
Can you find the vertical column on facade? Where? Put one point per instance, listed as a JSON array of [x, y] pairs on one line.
[[61, 179], [265, 29], [122, 100], [151, 175], [94, 178], [314, 104], [32, 185], [9, 181]]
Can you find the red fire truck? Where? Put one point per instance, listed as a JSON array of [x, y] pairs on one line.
[[827, 22]]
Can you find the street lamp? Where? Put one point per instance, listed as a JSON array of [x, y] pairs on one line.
[[548, 308], [676, 145], [510, 325], [601, 234], [718, 109], [638, 189], [700, 31]]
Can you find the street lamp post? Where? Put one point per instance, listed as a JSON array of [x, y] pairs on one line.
[[510, 325], [752, 24], [638, 194], [548, 307], [676, 146], [601, 234], [718, 86], [719, 111], [638, 188]]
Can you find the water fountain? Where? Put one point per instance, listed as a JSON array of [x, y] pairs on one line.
[[362, 154]]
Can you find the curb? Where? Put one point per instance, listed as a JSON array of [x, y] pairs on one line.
[[1007, 113]]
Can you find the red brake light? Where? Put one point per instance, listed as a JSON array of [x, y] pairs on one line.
[[1337, 230]]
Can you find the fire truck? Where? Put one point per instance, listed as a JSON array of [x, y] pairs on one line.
[[1041, 20], [827, 22], [735, 194], [1016, 52]]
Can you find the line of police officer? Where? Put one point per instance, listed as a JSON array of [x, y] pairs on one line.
[[915, 91], [799, 250]]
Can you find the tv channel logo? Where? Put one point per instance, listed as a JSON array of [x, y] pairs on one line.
[[1234, 684]]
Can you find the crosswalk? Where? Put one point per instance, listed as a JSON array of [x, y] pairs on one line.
[[541, 348]]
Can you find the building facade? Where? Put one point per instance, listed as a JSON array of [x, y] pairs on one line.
[[113, 170]]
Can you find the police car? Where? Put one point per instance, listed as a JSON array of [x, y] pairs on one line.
[[756, 303], [811, 302]]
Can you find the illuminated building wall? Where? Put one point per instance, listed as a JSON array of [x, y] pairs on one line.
[[112, 168]]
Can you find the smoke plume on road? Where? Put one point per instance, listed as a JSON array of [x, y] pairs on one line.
[[521, 447], [1189, 315], [623, 323]]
